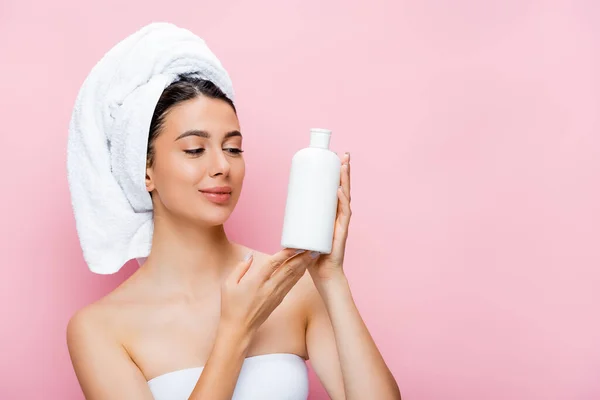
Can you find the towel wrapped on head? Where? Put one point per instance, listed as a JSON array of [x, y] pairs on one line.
[[108, 138]]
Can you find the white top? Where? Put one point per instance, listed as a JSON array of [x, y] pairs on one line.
[[279, 376]]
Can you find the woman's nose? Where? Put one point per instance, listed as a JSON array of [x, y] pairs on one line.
[[219, 165]]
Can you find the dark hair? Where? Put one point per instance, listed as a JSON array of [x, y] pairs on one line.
[[186, 87]]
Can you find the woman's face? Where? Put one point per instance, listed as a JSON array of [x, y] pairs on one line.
[[198, 152]]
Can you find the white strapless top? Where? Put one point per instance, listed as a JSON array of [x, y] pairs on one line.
[[280, 376]]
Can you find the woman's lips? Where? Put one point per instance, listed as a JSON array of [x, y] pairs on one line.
[[218, 198]]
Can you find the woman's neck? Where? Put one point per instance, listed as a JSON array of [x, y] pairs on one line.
[[186, 257]]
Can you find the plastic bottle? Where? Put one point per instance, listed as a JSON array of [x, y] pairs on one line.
[[311, 204]]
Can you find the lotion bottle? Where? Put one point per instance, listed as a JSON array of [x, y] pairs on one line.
[[311, 204]]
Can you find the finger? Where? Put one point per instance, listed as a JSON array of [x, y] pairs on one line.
[[240, 270], [340, 233], [281, 289], [346, 176], [293, 268], [345, 180], [344, 204], [275, 261]]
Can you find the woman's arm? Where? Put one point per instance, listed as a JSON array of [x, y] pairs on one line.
[[247, 300], [222, 369], [341, 349], [335, 326], [102, 366]]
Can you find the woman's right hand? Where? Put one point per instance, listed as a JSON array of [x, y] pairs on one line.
[[253, 290]]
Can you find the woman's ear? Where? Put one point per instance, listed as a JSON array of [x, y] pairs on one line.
[[149, 178]]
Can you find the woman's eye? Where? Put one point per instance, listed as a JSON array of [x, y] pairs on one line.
[[235, 151], [195, 151]]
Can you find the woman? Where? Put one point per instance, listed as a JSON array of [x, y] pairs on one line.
[[207, 318]]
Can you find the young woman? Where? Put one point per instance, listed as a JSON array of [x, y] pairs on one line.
[[207, 318]]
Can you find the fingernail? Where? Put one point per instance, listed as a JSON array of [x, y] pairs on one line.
[[298, 251], [314, 254], [248, 256]]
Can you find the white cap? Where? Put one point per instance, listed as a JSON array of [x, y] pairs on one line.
[[320, 138]]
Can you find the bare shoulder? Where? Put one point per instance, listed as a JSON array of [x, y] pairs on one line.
[[103, 320], [88, 331], [101, 363], [92, 322]]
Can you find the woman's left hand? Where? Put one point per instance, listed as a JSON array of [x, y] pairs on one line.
[[329, 266]]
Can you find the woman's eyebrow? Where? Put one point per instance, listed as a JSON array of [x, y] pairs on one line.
[[204, 134], [232, 134]]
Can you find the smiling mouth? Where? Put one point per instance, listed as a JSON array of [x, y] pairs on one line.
[[217, 197]]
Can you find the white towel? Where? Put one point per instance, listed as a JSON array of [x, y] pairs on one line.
[[108, 138]]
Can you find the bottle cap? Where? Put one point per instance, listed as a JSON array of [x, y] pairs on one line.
[[320, 138]]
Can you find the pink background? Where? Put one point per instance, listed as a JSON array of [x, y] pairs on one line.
[[474, 128]]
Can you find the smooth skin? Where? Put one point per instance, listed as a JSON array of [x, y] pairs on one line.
[[198, 300]]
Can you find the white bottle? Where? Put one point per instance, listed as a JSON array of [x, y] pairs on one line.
[[311, 205]]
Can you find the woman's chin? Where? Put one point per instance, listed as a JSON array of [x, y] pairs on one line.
[[214, 217]]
